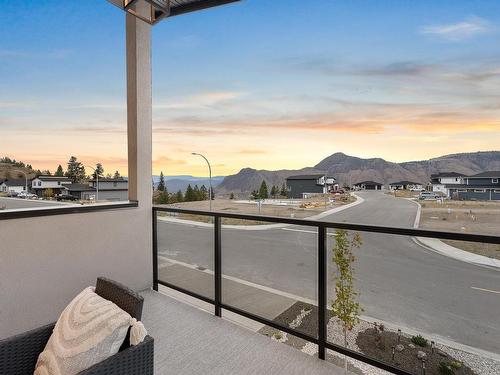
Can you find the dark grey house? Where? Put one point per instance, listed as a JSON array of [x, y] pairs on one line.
[[81, 191], [483, 186], [300, 186], [369, 185]]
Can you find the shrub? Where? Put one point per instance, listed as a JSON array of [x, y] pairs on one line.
[[419, 340], [456, 364], [446, 368], [278, 336]]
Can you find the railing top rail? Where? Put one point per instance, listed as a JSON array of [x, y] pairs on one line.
[[413, 232]]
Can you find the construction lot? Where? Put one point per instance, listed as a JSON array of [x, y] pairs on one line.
[[466, 217], [290, 208]]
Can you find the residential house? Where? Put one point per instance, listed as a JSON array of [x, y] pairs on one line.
[[405, 185], [13, 185], [111, 189], [81, 191], [368, 185], [442, 181], [483, 186], [41, 183], [302, 186]]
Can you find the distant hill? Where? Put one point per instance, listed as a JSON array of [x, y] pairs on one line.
[[350, 169], [175, 183], [8, 170]]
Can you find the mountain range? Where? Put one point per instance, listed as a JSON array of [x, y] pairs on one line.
[[349, 170]]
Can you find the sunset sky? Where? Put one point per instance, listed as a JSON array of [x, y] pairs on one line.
[[262, 84]]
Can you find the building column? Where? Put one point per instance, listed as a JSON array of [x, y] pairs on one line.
[[139, 111]]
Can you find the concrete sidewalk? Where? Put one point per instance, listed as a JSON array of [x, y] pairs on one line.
[[440, 247]]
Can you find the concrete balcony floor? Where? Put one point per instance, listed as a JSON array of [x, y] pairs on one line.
[[191, 341]]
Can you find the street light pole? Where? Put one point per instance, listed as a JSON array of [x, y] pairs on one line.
[[209, 177]]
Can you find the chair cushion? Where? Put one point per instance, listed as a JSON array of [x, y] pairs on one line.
[[89, 330]]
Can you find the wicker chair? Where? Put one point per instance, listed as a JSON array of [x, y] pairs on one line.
[[18, 354]]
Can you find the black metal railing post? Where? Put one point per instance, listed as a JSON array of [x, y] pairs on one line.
[[322, 291], [217, 265], [155, 250]]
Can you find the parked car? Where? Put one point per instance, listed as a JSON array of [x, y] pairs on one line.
[[428, 195], [66, 197], [12, 194]]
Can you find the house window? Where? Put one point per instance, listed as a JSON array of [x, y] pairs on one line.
[[58, 182], [39, 183], [494, 180]]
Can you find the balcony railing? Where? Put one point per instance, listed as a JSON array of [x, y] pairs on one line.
[[321, 227]]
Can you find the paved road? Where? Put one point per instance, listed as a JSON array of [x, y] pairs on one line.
[[400, 281], [16, 203]]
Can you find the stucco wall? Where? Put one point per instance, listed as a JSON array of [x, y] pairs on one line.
[[45, 261]]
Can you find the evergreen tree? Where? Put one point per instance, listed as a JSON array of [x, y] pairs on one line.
[[231, 196], [255, 194], [163, 197], [273, 191], [203, 193], [59, 171], [196, 192], [47, 172], [263, 194], [117, 175], [161, 184], [212, 193], [76, 171], [189, 196], [99, 170], [283, 190], [179, 197]]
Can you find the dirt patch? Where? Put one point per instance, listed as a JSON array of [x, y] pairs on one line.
[[465, 217], [280, 208], [379, 344], [404, 194]]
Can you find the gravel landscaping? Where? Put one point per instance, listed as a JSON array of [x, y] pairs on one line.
[[379, 342]]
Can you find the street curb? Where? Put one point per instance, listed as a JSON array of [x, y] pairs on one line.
[[442, 248], [359, 200]]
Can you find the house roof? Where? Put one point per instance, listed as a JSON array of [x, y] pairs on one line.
[[306, 177], [368, 183], [79, 187], [405, 183], [448, 174], [494, 174], [45, 177], [107, 179], [15, 182]]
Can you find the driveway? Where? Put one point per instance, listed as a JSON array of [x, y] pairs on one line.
[[400, 281]]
